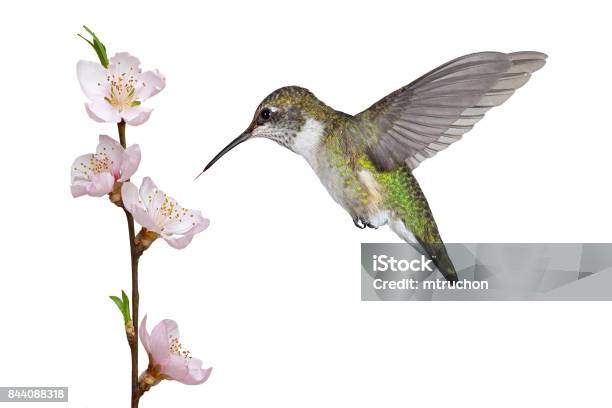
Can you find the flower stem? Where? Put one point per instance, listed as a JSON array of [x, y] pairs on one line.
[[121, 128], [135, 256]]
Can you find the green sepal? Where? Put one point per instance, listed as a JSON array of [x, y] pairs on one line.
[[123, 304], [97, 45]]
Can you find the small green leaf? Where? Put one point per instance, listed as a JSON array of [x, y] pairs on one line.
[[97, 45], [118, 302], [124, 298], [123, 304], [126, 306], [90, 43]]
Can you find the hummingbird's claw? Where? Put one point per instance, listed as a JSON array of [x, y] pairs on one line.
[[359, 223]]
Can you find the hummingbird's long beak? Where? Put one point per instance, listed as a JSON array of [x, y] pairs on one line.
[[243, 137]]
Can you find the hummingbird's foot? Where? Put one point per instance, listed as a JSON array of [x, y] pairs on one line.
[[367, 224], [359, 223]]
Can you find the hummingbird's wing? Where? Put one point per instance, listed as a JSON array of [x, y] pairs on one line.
[[417, 121]]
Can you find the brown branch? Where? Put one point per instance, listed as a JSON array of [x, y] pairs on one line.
[[135, 256]]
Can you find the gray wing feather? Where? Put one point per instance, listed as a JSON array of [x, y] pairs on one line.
[[419, 120]]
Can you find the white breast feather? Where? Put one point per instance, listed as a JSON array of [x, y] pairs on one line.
[[308, 139]]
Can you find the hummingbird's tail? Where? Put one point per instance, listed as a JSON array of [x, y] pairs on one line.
[[434, 250], [413, 221], [439, 256]]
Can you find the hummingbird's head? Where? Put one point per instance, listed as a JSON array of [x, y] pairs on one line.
[[289, 116]]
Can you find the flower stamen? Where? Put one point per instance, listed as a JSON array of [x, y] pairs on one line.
[[177, 348]]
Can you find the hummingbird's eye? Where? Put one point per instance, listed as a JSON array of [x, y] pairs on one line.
[[265, 114]]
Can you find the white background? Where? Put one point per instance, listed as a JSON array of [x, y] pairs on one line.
[[269, 294]]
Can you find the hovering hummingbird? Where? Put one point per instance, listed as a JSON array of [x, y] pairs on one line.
[[365, 161]]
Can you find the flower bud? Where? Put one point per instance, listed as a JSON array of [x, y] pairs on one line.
[[149, 378], [144, 239], [115, 195], [130, 332]]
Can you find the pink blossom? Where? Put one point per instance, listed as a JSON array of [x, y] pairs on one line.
[[95, 174], [158, 212], [167, 358], [117, 92]]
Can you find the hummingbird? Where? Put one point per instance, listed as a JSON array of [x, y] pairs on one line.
[[365, 161]]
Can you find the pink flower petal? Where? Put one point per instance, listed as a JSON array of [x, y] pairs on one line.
[[78, 189], [123, 62], [188, 220], [100, 184], [129, 196], [144, 219], [150, 84], [186, 371], [102, 111], [178, 241], [131, 160], [110, 149], [171, 328], [197, 374], [144, 335], [152, 197], [106, 143], [164, 351], [85, 182], [92, 78], [182, 239], [159, 344], [176, 367], [80, 168], [132, 203], [160, 341], [137, 115], [147, 187], [200, 226]]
